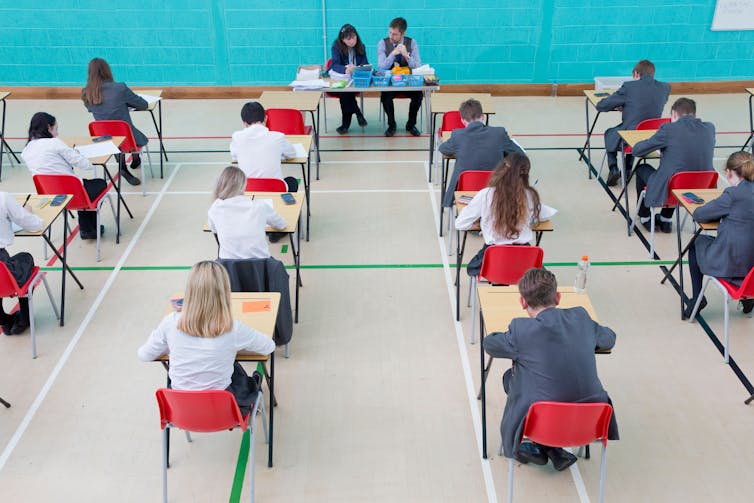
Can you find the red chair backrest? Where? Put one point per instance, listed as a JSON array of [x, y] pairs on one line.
[[200, 411], [690, 180], [451, 121], [285, 120], [653, 123], [559, 424], [473, 180], [51, 185], [506, 264], [745, 290], [328, 64], [8, 285], [266, 185], [115, 128]]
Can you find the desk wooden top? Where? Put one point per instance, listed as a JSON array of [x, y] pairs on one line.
[[545, 226], [157, 93], [298, 100], [4, 94], [289, 212], [706, 194], [591, 95], [40, 206], [305, 140], [448, 102], [634, 136], [750, 90], [258, 310], [73, 141]]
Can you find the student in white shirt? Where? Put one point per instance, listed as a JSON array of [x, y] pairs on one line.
[[21, 264], [259, 150], [46, 154], [508, 208], [238, 221], [203, 339]]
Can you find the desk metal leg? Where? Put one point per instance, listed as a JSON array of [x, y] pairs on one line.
[[625, 192], [681, 254], [2, 139], [65, 266], [272, 409], [460, 249], [158, 127], [588, 143], [117, 189], [751, 124], [443, 188], [315, 126], [680, 262], [296, 246], [306, 173], [432, 122], [483, 391]]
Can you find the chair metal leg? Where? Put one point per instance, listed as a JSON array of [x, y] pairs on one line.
[[99, 236], [603, 471], [472, 282], [31, 325], [473, 313], [510, 480], [165, 441], [651, 232], [726, 318], [699, 300], [188, 436], [49, 295], [635, 218], [287, 350]]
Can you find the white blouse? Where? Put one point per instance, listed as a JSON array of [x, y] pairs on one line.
[[259, 151], [12, 212], [50, 156], [240, 225], [202, 363]]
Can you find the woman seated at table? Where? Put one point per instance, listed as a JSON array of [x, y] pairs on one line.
[[730, 255], [46, 154], [508, 207], [21, 264], [202, 339], [109, 100], [238, 221], [347, 53]]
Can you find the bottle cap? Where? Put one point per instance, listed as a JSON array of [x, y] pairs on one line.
[[585, 258]]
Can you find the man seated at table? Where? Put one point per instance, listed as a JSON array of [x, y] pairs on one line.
[[259, 150], [639, 99], [553, 360], [476, 146], [686, 144], [398, 50]]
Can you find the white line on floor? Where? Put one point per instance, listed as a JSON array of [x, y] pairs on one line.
[[16, 438]]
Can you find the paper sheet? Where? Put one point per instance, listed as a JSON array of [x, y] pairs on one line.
[[149, 98], [308, 84], [98, 149]]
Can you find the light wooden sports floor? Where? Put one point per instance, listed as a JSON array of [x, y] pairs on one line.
[[377, 400]]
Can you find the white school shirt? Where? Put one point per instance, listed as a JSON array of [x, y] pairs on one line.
[[51, 156], [201, 363], [239, 224], [259, 151], [481, 207], [11, 211]]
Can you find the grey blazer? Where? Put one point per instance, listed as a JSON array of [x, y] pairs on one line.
[[475, 147], [731, 254], [553, 359], [116, 98], [641, 100], [686, 145]]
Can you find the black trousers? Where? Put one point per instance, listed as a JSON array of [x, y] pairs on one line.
[[88, 219], [348, 107], [643, 172], [386, 98], [20, 266]]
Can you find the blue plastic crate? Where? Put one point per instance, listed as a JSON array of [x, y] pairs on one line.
[[399, 80], [415, 80], [362, 78], [381, 79]]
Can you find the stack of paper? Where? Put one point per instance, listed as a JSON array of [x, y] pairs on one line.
[[308, 84]]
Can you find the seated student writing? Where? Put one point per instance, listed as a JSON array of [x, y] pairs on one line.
[[553, 360], [259, 150], [730, 255], [238, 221], [203, 339], [46, 154], [508, 208]]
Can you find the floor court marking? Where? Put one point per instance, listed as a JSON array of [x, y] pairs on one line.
[[21, 429]]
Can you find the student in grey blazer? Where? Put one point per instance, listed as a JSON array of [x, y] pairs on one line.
[[686, 144], [639, 99], [553, 360], [109, 100], [476, 146], [730, 255]]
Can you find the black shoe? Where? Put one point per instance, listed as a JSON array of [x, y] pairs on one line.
[[747, 305], [613, 177], [561, 459], [390, 131], [361, 120], [276, 236], [647, 225], [690, 307], [135, 161], [93, 235], [19, 326], [666, 227], [528, 452], [413, 131], [9, 322], [256, 380], [131, 179], [342, 130]]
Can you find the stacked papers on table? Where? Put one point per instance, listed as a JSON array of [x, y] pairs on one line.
[[308, 84]]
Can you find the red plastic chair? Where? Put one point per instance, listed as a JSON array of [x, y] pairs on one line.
[[286, 121], [205, 412], [730, 292], [450, 122], [10, 288], [643, 125], [504, 265], [121, 128], [684, 180], [559, 424], [471, 180], [266, 185], [51, 185]]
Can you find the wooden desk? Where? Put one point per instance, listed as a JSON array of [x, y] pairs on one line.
[[706, 194], [40, 206], [750, 90], [631, 137], [591, 99], [306, 141], [264, 321], [498, 306], [3, 142], [157, 93], [538, 229]]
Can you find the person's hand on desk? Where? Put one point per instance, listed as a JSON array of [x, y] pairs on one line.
[[349, 69]]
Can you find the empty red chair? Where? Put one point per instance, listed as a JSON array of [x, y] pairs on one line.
[[286, 121], [730, 292], [10, 288], [266, 185], [129, 146], [52, 185], [450, 122], [204, 411], [559, 424]]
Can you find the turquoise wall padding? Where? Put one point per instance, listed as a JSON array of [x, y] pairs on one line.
[[232, 42]]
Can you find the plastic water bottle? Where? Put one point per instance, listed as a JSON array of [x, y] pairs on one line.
[[554, 89], [579, 286]]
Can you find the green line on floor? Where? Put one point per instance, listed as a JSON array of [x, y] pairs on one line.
[[243, 458]]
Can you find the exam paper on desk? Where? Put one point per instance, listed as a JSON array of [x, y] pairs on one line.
[[98, 149]]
